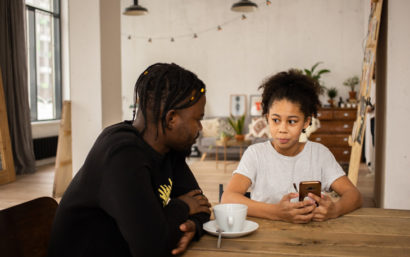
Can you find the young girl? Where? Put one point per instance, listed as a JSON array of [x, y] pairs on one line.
[[269, 169]]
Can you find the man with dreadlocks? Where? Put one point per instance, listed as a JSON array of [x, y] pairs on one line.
[[135, 195]]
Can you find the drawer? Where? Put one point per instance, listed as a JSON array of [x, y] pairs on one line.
[[335, 126], [324, 114], [342, 154], [330, 140], [348, 114]]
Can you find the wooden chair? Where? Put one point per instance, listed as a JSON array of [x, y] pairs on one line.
[[25, 228]]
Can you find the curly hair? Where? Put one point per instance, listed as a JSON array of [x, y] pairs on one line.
[[293, 86], [163, 87]]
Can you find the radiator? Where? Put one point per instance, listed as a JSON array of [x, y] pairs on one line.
[[45, 147]]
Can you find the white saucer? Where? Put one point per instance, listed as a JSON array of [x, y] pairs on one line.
[[248, 228]]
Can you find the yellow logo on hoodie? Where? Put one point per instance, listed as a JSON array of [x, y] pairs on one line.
[[165, 192]]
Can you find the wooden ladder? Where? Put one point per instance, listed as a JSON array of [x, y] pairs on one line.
[[356, 139], [63, 165], [7, 171]]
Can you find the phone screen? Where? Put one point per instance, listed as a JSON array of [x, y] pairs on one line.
[[306, 187]]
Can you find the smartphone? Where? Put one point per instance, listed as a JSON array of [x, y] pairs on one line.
[[306, 187]]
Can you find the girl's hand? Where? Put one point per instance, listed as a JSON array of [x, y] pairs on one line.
[[326, 209], [299, 212]]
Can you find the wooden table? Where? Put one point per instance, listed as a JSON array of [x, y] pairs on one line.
[[365, 232], [230, 143]]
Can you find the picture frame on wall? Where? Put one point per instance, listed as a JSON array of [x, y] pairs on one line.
[[237, 105], [255, 106]]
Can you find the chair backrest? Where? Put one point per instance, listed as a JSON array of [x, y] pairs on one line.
[[25, 228], [221, 191]]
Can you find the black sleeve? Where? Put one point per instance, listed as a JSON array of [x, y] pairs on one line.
[[126, 194], [184, 181]]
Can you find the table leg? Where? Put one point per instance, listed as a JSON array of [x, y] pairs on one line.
[[224, 158], [203, 157], [216, 156]]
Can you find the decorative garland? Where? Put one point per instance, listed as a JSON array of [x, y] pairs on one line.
[[193, 35]]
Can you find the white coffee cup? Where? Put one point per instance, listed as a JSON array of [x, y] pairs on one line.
[[230, 217]]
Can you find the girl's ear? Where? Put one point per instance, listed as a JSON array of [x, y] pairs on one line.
[[308, 120]]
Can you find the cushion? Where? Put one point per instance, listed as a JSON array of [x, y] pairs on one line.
[[259, 128], [224, 126], [210, 127]]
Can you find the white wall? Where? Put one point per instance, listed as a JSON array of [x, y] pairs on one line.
[[397, 140], [286, 34], [85, 76]]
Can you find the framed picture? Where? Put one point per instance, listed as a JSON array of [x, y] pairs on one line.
[[237, 105], [255, 108]]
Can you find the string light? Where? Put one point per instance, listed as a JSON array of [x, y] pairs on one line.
[[196, 34]]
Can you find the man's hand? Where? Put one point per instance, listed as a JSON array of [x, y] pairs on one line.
[[196, 201], [325, 210], [300, 212], [189, 228]]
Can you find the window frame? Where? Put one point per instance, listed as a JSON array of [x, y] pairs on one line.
[[32, 60]]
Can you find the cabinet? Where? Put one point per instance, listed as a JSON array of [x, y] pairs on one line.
[[335, 127]]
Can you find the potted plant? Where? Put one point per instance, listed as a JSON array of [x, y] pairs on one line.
[[237, 125], [352, 82], [225, 136], [331, 93], [316, 75]]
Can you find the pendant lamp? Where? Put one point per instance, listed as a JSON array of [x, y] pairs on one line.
[[244, 6], [135, 9]]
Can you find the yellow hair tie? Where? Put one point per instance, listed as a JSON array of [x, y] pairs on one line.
[[146, 72], [202, 90], [192, 98]]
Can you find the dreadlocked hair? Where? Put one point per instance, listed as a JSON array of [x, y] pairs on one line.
[[163, 87], [293, 86]]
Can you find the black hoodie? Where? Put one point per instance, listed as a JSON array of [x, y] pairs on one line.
[[123, 201]]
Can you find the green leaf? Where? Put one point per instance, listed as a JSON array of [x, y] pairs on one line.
[[323, 71], [237, 123], [314, 66]]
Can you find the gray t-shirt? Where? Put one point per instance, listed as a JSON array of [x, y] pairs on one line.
[[273, 174]]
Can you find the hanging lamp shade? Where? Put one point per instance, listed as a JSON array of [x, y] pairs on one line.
[[244, 6], [135, 9]]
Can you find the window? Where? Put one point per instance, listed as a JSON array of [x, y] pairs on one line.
[[44, 59]]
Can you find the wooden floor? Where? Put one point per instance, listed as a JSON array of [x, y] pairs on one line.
[[28, 187]]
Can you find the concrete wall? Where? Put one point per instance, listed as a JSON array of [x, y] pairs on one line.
[[286, 34], [110, 61]]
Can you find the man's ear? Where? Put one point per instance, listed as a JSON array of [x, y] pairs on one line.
[[170, 119]]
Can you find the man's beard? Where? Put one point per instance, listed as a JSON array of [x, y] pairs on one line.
[[187, 152]]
